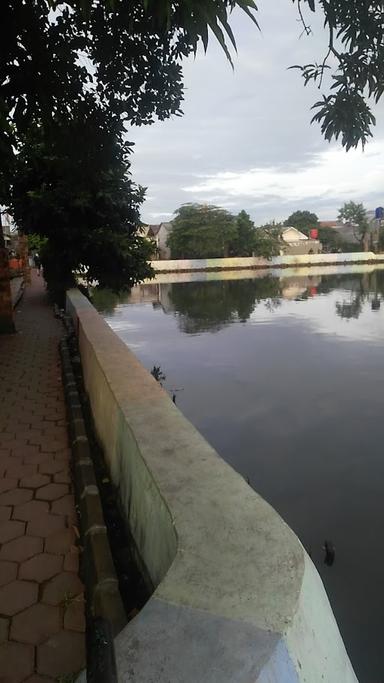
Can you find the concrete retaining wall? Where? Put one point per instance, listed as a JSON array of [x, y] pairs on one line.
[[257, 273], [186, 265], [236, 599]]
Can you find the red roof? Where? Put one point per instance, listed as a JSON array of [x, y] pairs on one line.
[[329, 224]]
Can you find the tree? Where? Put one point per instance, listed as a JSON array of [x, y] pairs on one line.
[[356, 215], [201, 231], [355, 47], [331, 240], [135, 49], [73, 188], [244, 242], [36, 242], [268, 240], [303, 220], [56, 70], [355, 41]]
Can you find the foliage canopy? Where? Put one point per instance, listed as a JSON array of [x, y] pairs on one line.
[[355, 214], [201, 231], [205, 231], [244, 242], [302, 220], [128, 53], [73, 188], [354, 55]]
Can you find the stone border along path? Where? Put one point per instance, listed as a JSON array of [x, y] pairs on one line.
[[17, 288], [41, 596]]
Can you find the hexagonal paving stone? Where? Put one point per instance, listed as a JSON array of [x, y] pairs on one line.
[[20, 471], [45, 525], [16, 596], [21, 548], [8, 572], [7, 461], [52, 492], [61, 587], [63, 454], [34, 481], [62, 654], [7, 436], [62, 477], [65, 506], [26, 451], [4, 628], [5, 513], [34, 436], [16, 661], [30, 510], [74, 617], [16, 497], [10, 530], [51, 467], [36, 457], [36, 624], [41, 567], [51, 416], [7, 483], [60, 542], [71, 561], [51, 445]]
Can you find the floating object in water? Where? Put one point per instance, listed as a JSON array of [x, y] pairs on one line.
[[329, 553]]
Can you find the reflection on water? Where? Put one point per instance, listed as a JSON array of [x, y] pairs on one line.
[[285, 377]]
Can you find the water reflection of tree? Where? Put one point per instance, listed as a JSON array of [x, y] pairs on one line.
[[210, 306], [365, 288], [352, 308], [105, 300]]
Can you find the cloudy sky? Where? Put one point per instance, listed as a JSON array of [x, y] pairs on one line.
[[245, 140]]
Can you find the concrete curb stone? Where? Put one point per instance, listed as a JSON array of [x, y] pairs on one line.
[[102, 588]]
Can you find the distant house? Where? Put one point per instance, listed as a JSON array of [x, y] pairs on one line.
[[159, 234], [150, 231], [9, 228], [347, 231], [297, 243]]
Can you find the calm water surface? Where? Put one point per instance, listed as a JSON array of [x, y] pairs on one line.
[[285, 377]]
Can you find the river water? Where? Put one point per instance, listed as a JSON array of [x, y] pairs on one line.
[[284, 375]]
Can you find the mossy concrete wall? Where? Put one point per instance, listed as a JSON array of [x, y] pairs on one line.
[[236, 599], [187, 265]]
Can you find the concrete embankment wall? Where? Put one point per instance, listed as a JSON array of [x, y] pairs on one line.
[[300, 272], [187, 265], [236, 599]]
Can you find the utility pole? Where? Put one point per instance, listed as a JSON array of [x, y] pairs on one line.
[[7, 325]]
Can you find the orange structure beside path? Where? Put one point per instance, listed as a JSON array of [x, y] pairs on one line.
[[41, 596]]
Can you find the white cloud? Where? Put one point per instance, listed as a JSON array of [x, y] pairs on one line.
[[332, 172], [159, 214]]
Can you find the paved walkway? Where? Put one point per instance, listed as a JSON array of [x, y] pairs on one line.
[[41, 600], [16, 285]]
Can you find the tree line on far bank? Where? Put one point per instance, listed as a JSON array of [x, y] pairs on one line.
[[207, 231], [367, 235]]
